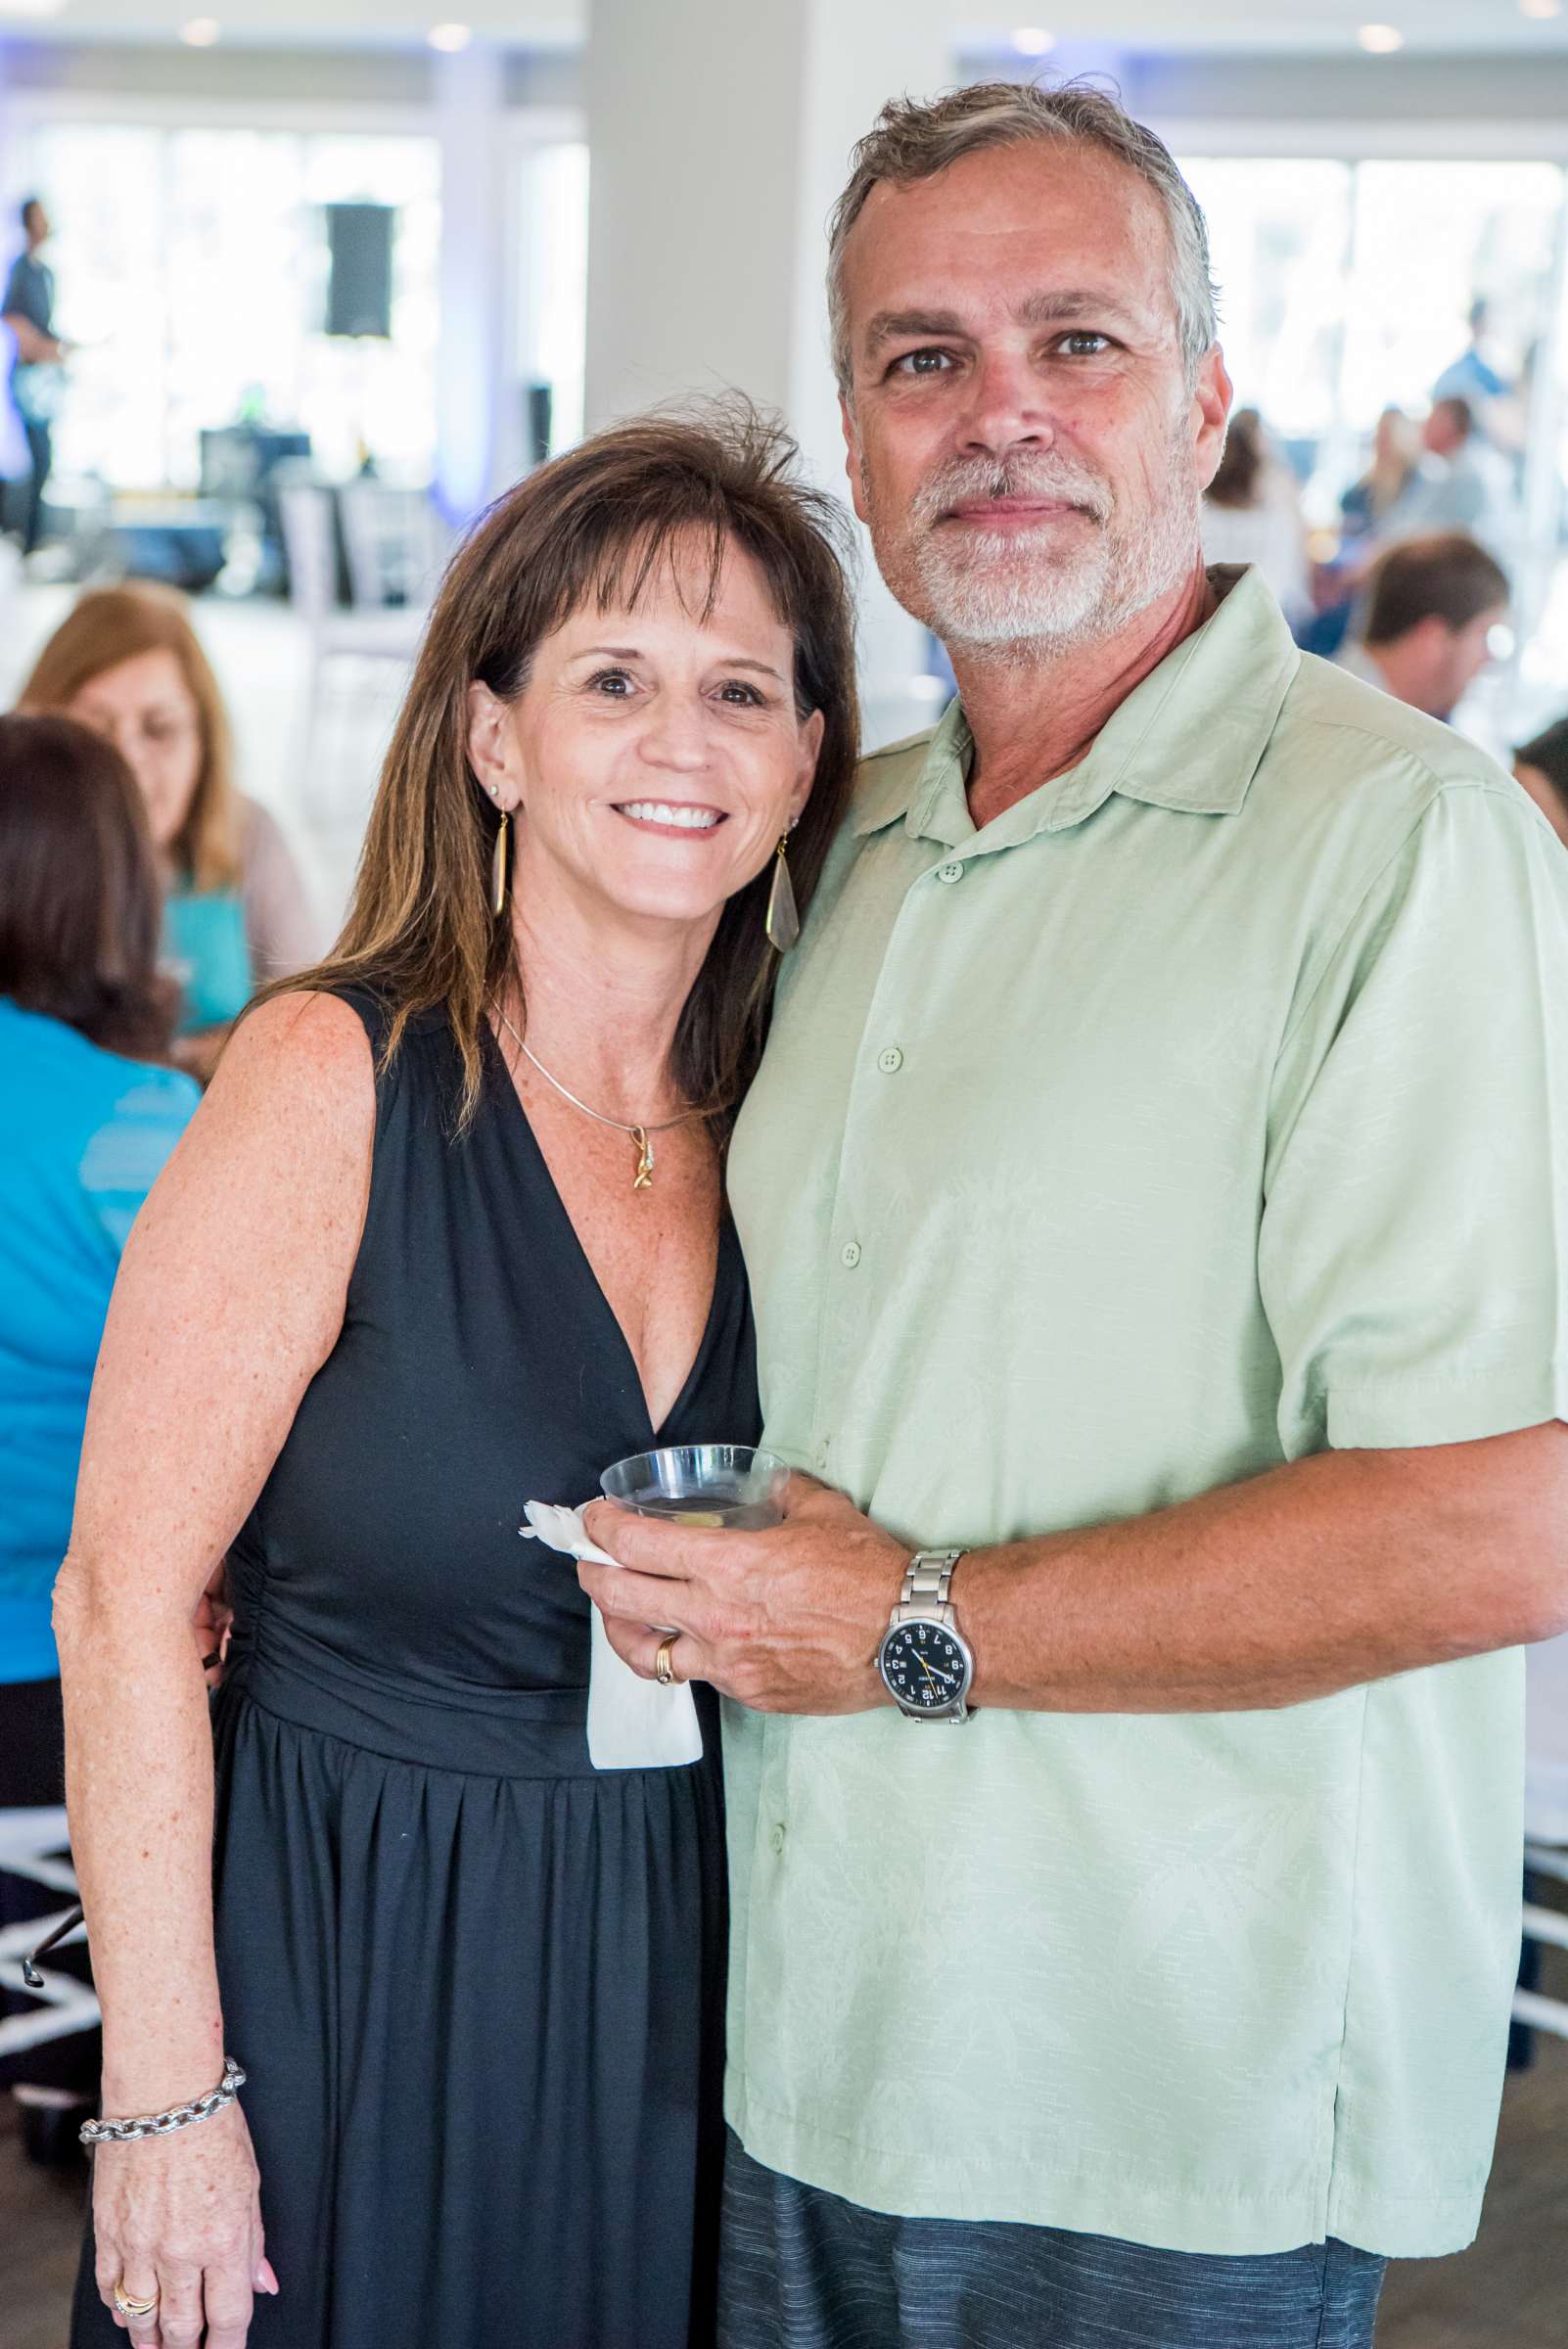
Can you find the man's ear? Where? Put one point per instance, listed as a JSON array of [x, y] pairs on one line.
[[1212, 395], [853, 463], [491, 748]]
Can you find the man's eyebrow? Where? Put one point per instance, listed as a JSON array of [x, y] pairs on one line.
[[1073, 302], [893, 326]]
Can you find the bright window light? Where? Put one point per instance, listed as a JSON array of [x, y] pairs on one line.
[[1030, 42], [1381, 40], [201, 33], [450, 38], [1542, 10]]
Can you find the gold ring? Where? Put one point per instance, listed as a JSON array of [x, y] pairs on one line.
[[132, 2308], [664, 1662]]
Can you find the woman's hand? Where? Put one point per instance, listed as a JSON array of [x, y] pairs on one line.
[[180, 2216]]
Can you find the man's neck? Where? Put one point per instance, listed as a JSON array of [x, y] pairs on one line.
[[1033, 719]]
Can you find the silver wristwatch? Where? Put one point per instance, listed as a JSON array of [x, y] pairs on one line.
[[923, 1659]]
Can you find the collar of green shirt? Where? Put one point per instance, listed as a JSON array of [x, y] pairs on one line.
[[1189, 737]]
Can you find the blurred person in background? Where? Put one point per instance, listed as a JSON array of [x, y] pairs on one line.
[[37, 367], [1473, 377], [1432, 604], [89, 1117], [1541, 767], [1252, 514], [1462, 483], [127, 663], [1370, 504]]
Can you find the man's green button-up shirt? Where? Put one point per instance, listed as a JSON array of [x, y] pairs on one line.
[[1206, 1109]]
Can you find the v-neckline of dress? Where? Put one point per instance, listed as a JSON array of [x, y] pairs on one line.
[[503, 1076]]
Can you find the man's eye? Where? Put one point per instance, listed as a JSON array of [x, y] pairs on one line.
[[1083, 343], [922, 362]]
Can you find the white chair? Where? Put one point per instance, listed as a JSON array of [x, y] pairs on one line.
[[395, 543], [354, 655], [1545, 1817]]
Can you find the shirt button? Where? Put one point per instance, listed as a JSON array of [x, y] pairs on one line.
[[822, 1451], [776, 1838], [891, 1061], [850, 1255], [950, 873]]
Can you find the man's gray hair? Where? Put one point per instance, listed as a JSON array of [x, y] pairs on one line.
[[912, 139]]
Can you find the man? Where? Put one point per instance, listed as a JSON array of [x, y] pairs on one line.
[[1432, 604], [1471, 377], [1141, 1205], [28, 309], [1461, 484]]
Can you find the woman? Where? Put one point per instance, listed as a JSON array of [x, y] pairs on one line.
[[88, 1123], [1541, 767], [127, 663], [449, 1236], [1368, 507], [1252, 514]]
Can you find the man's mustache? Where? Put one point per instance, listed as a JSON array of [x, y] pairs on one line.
[[967, 480]]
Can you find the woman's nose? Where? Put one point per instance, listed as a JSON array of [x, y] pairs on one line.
[[675, 735]]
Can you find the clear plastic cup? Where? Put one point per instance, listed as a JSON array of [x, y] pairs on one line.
[[701, 1484]]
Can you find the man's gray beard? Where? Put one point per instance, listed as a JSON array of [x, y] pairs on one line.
[[992, 595]]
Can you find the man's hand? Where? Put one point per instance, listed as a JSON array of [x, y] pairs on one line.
[[212, 1623], [786, 1621]]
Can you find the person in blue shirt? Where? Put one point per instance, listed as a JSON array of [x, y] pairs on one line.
[[89, 1115]]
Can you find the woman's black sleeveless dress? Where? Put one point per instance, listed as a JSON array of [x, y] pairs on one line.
[[478, 1985]]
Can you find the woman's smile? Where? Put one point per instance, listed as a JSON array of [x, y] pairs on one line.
[[671, 815]]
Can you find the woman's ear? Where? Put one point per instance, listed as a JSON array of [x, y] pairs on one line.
[[491, 745], [812, 734]]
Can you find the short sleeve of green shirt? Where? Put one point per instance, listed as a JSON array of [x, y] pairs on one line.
[[1414, 1250]]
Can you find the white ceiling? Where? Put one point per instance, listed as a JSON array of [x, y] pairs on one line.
[[1249, 27]]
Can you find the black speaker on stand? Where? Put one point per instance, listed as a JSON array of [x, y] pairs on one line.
[[359, 243], [359, 248]]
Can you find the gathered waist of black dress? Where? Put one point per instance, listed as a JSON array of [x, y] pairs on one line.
[[486, 1732]]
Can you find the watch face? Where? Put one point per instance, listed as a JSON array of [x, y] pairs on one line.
[[924, 1666]]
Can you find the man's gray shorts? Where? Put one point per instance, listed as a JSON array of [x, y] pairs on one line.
[[802, 2270]]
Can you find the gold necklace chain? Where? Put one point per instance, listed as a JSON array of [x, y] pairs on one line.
[[642, 1135]]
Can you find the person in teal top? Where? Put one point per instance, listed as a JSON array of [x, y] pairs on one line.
[[90, 1117], [126, 661]]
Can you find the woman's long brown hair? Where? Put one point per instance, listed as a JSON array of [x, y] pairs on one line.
[[107, 625], [590, 528]]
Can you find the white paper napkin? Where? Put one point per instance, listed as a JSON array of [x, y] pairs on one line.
[[632, 1724]]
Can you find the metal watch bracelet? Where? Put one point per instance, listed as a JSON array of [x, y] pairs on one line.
[[164, 2124]]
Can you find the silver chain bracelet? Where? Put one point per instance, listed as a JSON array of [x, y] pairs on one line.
[[164, 2124]]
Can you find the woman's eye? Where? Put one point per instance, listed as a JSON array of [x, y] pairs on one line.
[[612, 682], [922, 362], [737, 691]]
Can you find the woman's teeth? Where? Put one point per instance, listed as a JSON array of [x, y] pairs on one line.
[[656, 812]]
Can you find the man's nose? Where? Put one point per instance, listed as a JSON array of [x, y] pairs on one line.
[[1008, 408]]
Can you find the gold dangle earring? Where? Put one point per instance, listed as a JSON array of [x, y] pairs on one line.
[[783, 922], [498, 863]]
